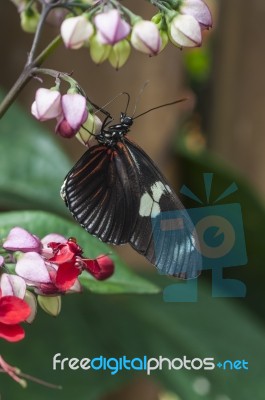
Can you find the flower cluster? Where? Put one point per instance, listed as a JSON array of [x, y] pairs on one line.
[[110, 30], [44, 267], [70, 110]]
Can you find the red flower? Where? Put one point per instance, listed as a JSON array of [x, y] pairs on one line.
[[64, 255], [101, 268], [68, 256], [13, 311], [57, 267]]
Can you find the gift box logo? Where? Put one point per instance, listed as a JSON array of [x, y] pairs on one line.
[[220, 234]]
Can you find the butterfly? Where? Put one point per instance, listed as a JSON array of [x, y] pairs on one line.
[[117, 193]]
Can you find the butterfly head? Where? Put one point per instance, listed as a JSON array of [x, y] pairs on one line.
[[126, 120]]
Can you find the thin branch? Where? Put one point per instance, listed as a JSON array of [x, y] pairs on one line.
[[26, 75], [44, 13]]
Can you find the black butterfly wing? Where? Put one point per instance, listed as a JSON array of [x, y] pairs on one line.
[[101, 191], [163, 231], [119, 195]]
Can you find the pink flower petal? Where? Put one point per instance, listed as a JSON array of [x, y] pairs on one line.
[[111, 27], [12, 285], [47, 104], [185, 31], [32, 267], [74, 110], [75, 31], [19, 239], [146, 38], [199, 10]]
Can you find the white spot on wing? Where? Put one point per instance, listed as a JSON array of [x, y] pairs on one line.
[[155, 210], [158, 189], [146, 205], [149, 205]]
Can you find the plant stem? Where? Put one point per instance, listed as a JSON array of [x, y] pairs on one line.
[[44, 12], [32, 61], [55, 74], [26, 75], [14, 91]]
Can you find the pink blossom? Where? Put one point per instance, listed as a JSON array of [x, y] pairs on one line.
[[111, 28], [12, 285], [185, 31], [75, 31], [74, 114], [47, 104], [199, 10], [19, 239], [146, 38]]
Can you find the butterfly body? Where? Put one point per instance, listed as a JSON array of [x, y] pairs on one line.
[[115, 133], [118, 194]]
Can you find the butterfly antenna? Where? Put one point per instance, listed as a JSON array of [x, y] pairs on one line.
[[111, 101], [163, 105], [88, 131], [139, 96], [128, 101]]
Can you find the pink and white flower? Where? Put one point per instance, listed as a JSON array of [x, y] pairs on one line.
[[74, 114], [47, 104], [111, 28], [199, 10], [75, 31], [19, 239], [185, 31], [146, 38]]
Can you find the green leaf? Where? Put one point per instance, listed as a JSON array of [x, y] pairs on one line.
[[113, 326], [41, 223], [32, 164]]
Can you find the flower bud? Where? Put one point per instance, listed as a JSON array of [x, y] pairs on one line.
[[99, 52], [199, 10], [120, 53], [75, 31], [19, 239], [185, 31], [47, 104], [51, 305], [30, 299], [146, 38], [101, 268], [92, 126], [111, 28], [74, 114], [164, 38], [29, 20], [157, 19]]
